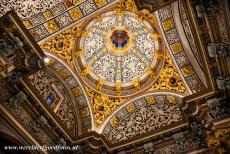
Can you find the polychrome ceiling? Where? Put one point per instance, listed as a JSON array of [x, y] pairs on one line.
[[45, 18], [117, 54], [111, 68], [27, 8]]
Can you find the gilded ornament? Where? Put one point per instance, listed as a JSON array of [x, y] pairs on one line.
[[146, 30], [27, 23], [114, 121], [130, 108], [100, 84], [131, 6], [198, 89], [187, 70], [150, 71], [75, 13], [136, 84], [222, 134], [118, 87], [118, 58], [67, 38], [85, 33], [212, 142], [98, 18], [140, 19], [52, 26], [168, 24], [100, 101], [155, 35], [79, 53], [158, 54], [76, 91], [84, 112], [104, 50], [177, 47], [171, 99], [76, 2], [146, 15], [104, 33], [100, 3], [119, 12], [164, 81], [85, 71], [64, 73], [48, 14], [150, 100]]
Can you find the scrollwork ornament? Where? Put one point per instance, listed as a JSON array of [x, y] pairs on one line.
[[103, 105]]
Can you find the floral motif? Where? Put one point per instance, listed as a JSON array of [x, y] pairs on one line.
[[75, 13], [51, 26], [176, 47], [103, 105], [118, 63], [62, 45], [169, 79], [168, 24], [187, 70], [141, 118]]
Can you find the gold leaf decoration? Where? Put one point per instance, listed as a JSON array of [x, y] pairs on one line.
[[169, 79], [63, 44], [103, 105]]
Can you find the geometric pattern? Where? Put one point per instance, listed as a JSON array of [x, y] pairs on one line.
[[36, 15], [103, 105], [118, 68], [139, 54], [166, 20]]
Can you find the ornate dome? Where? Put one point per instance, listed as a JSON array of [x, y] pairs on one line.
[[117, 54]]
